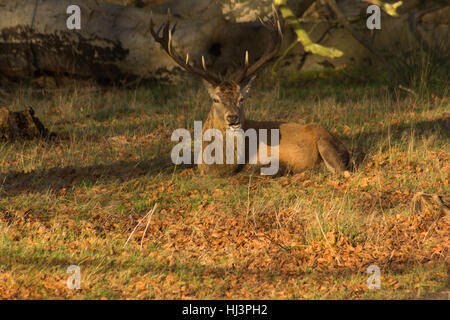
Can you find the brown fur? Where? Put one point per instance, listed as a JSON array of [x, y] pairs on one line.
[[301, 147]]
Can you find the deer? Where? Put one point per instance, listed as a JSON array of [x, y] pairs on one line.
[[300, 146]]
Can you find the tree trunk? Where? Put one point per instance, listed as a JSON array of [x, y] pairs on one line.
[[21, 125], [114, 42]]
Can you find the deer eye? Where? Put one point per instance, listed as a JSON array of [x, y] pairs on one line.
[[241, 100], [215, 100]]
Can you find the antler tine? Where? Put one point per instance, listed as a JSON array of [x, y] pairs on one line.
[[279, 29], [169, 43], [159, 29], [152, 29], [166, 42], [273, 48], [166, 29], [275, 12], [204, 64], [246, 59], [151, 21], [260, 20]]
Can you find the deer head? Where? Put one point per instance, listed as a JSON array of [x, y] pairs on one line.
[[227, 95]]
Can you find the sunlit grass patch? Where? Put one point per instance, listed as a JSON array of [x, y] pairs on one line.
[[78, 198]]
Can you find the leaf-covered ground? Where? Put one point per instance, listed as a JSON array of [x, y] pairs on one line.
[[77, 200]]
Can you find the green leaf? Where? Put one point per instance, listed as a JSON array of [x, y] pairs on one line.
[[302, 35]]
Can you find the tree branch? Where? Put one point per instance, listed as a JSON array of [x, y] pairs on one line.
[[389, 8], [302, 35], [341, 18], [412, 21]]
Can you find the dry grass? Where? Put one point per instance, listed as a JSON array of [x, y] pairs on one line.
[[77, 199]]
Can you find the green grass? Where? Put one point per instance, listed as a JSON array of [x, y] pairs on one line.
[[76, 200]]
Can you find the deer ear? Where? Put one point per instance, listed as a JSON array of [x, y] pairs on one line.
[[210, 88], [246, 84]]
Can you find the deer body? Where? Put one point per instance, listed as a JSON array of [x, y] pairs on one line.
[[300, 147]]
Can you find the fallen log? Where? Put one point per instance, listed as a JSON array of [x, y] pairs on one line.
[[21, 125], [114, 43]]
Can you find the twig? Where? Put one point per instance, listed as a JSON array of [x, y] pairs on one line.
[[326, 240], [305, 54], [420, 203], [148, 222], [412, 21], [302, 35], [135, 228], [389, 8], [341, 17], [248, 198], [277, 243], [407, 90]]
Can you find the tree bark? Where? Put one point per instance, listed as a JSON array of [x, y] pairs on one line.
[[114, 42], [21, 125], [115, 45]]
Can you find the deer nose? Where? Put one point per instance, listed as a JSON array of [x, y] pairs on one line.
[[232, 119]]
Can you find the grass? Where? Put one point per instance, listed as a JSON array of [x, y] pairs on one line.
[[76, 200]]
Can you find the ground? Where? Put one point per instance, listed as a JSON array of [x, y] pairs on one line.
[[105, 196]]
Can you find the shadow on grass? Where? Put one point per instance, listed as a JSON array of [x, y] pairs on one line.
[[54, 179], [202, 275], [367, 141]]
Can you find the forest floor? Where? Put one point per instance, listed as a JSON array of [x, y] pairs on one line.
[[76, 200]]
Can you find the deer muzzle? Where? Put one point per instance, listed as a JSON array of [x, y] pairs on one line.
[[233, 122]]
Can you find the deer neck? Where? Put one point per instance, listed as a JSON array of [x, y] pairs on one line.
[[214, 122]]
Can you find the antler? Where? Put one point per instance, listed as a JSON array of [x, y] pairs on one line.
[[166, 42], [272, 50]]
